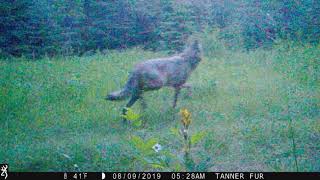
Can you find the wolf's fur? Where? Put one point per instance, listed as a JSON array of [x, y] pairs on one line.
[[156, 73]]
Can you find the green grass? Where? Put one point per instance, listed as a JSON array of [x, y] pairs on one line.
[[53, 113]]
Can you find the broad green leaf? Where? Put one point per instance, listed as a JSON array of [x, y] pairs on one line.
[[151, 142], [138, 142], [137, 123], [197, 137]]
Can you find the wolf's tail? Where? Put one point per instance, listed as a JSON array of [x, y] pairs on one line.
[[129, 88]]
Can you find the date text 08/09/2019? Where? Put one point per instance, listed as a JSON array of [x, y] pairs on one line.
[[187, 176]]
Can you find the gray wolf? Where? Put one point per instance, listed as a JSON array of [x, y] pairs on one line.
[[156, 73]]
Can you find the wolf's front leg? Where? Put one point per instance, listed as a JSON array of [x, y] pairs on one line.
[[187, 86], [143, 103], [176, 94]]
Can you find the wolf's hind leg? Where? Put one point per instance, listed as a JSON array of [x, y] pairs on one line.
[[176, 94]]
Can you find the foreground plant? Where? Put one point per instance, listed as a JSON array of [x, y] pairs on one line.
[[186, 121], [150, 153], [189, 140]]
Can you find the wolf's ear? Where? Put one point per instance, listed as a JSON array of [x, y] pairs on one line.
[[195, 44]]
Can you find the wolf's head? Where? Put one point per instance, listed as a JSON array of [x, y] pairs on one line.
[[193, 50]]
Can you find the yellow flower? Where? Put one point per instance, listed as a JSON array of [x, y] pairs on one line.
[[186, 117]]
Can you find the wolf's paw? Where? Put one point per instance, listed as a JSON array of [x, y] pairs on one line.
[[110, 97]]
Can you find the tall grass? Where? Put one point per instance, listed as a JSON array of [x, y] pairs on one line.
[[54, 116]]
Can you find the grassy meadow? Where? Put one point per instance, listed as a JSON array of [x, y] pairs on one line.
[[250, 104]]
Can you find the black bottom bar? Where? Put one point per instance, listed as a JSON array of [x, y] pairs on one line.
[[161, 175]]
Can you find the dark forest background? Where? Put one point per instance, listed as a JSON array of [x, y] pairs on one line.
[[35, 28]]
